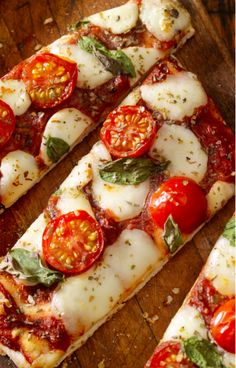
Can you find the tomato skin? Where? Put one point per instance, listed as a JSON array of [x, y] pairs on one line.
[[49, 79], [67, 243], [222, 326], [184, 199], [165, 356], [128, 131], [7, 123]]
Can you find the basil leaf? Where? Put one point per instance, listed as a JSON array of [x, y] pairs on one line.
[[126, 171], [73, 27], [202, 353], [172, 234], [89, 44], [109, 64], [229, 231], [116, 62], [56, 148], [30, 268], [126, 63]]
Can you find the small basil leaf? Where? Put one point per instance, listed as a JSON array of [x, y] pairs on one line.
[[89, 44], [56, 148], [229, 231], [111, 65], [116, 62], [30, 268], [202, 353], [126, 171], [73, 27], [172, 234], [125, 62]]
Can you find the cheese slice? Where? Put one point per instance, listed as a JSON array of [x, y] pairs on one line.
[[19, 172], [94, 292], [218, 196], [176, 97], [143, 59], [72, 200], [132, 256], [91, 72], [80, 175], [122, 202], [67, 124], [117, 20], [164, 18], [132, 98], [181, 147], [14, 93], [186, 323], [220, 267]]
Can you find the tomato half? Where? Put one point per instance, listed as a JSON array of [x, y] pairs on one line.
[[7, 123], [49, 80], [222, 326], [72, 242], [182, 198], [128, 131], [169, 354]]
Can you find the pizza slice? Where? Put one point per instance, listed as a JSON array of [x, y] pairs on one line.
[[202, 333], [163, 168], [51, 101]]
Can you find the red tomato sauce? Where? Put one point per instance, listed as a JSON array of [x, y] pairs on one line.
[[206, 298], [217, 140], [49, 328]]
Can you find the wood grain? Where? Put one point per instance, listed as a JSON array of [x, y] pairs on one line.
[[127, 340]]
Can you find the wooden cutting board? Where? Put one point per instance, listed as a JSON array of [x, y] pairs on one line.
[[128, 339]]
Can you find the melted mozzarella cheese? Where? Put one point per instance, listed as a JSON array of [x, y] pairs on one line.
[[164, 19], [176, 97], [14, 93], [218, 196], [132, 98], [186, 323], [68, 124], [229, 360], [19, 172], [143, 59], [117, 20], [220, 267], [94, 292], [133, 255], [181, 147], [122, 202], [74, 199], [91, 72], [32, 238], [80, 175]]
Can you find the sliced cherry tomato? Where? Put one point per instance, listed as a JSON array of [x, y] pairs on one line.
[[169, 354], [128, 131], [72, 242], [222, 326], [183, 199], [50, 80], [7, 123]]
